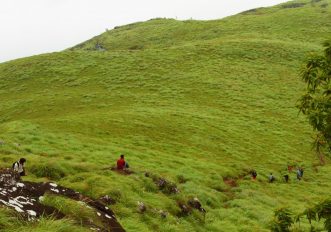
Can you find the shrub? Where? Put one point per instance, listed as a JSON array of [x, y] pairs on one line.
[[136, 47], [181, 179], [282, 221], [293, 5]]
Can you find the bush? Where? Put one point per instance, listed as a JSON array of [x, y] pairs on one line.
[[282, 221], [136, 47], [293, 5], [181, 179]]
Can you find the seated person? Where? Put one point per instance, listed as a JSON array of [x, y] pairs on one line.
[[122, 164], [18, 167]]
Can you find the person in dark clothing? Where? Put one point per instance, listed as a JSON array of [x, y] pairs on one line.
[[301, 172], [18, 166], [286, 178], [254, 174]]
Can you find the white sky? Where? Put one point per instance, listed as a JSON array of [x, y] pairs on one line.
[[30, 27]]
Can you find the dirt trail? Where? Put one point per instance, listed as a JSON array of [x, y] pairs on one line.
[[26, 198]]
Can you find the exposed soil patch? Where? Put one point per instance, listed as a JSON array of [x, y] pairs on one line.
[[233, 181], [230, 182], [26, 198], [122, 172]]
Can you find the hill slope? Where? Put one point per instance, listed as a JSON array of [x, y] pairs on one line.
[[196, 102]]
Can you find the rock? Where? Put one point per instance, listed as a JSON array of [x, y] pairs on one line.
[[141, 207], [8, 177], [163, 214], [196, 204], [107, 200], [166, 186], [185, 209]]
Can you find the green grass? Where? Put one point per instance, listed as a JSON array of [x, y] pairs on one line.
[[193, 100]]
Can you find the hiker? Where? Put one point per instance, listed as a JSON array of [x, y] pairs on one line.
[[286, 178], [122, 164], [299, 173], [254, 174], [271, 178], [18, 166]]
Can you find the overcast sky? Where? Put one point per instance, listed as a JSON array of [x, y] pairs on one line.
[[30, 27]]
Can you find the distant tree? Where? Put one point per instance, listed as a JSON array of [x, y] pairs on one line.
[[316, 102]]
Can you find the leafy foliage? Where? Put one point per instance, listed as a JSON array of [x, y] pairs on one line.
[[282, 221], [316, 102]]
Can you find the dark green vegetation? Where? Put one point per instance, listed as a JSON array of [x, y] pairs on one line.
[[315, 103], [191, 101], [285, 221]]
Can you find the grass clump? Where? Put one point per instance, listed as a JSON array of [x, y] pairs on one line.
[[75, 210], [51, 170]]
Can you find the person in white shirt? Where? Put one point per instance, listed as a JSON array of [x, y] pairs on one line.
[[18, 166]]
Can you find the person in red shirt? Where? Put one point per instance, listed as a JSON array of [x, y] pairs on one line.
[[121, 163]]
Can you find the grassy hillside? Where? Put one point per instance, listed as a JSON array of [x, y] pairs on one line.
[[195, 102]]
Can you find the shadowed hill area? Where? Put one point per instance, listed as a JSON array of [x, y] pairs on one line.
[[199, 103]]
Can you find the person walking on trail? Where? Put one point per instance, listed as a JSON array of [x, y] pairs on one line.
[[18, 167], [254, 174], [299, 173], [271, 178], [121, 163], [286, 178]]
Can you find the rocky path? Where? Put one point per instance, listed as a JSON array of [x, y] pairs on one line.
[[26, 198]]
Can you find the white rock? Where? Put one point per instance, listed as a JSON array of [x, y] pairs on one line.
[[31, 213], [13, 202], [20, 185], [55, 190]]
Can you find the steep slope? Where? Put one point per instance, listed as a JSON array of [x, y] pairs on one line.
[[196, 102]]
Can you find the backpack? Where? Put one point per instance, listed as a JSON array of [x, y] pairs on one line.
[[13, 165]]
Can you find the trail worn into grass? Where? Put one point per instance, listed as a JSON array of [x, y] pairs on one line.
[[26, 198]]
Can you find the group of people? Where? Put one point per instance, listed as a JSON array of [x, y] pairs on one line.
[[286, 176], [122, 165]]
